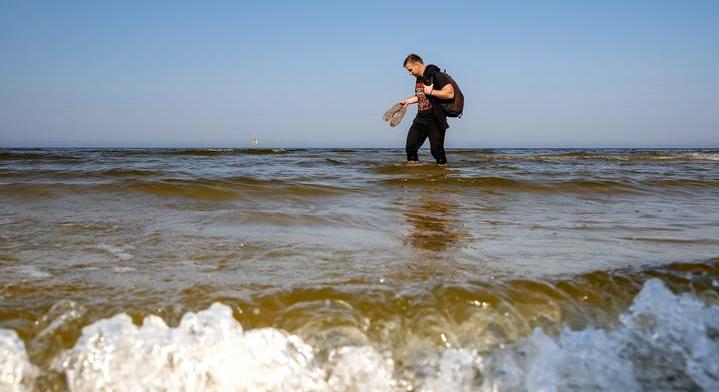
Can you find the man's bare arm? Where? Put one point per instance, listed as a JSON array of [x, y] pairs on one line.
[[409, 101], [447, 92]]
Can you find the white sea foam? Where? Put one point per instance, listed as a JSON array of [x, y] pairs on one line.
[[662, 342], [208, 351], [16, 371], [359, 369], [26, 272], [124, 270], [120, 253], [706, 156]]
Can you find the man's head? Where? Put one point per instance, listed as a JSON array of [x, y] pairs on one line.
[[414, 65]]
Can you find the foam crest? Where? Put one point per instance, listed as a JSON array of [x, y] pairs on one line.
[[681, 328], [208, 351], [663, 342], [16, 371], [455, 370], [360, 369]]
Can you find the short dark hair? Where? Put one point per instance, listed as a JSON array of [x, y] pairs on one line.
[[412, 58]]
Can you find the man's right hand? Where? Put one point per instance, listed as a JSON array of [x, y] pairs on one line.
[[409, 101]]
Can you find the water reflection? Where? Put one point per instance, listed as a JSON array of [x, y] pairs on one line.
[[434, 223]]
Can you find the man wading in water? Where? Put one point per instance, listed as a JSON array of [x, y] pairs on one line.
[[431, 121]]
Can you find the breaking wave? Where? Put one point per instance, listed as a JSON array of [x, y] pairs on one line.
[[664, 341]]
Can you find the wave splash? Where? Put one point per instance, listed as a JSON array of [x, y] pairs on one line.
[[208, 351], [662, 342], [16, 371]]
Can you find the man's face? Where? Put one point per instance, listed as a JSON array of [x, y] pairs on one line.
[[414, 69]]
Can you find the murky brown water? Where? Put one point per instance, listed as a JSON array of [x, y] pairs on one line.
[[439, 274]]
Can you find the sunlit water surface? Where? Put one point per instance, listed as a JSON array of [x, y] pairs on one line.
[[340, 270]]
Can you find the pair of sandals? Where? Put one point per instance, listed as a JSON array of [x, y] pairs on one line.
[[395, 114]]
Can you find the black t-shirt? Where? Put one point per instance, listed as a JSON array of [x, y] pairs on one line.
[[428, 107]]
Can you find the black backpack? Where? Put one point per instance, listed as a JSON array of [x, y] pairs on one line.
[[454, 107]]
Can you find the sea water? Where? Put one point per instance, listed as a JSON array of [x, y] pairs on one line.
[[347, 270]]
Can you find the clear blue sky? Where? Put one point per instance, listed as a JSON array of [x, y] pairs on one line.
[[321, 73]]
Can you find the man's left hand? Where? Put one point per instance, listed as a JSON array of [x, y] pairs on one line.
[[428, 89]]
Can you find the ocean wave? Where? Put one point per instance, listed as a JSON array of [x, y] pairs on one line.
[[616, 186], [470, 153], [230, 188], [61, 182], [224, 188], [510, 184], [40, 156], [663, 341], [193, 189], [621, 155], [79, 173], [120, 172], [319, 162], [402, 168], [199, 152], [683, 183], [585, 156]]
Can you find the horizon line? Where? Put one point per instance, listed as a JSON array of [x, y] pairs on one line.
[[189, 147]]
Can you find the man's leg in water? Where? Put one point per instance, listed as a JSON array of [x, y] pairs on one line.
[[436, 143], [415, 138]]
